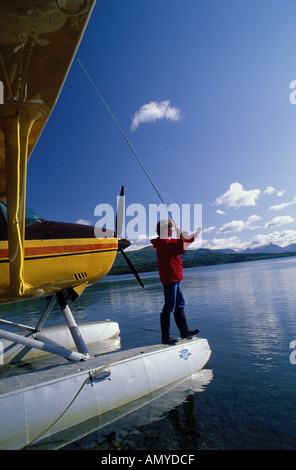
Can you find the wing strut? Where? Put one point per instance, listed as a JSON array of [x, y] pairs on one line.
[[16, 130]]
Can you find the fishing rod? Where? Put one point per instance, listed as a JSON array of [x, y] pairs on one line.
[[124, 136]]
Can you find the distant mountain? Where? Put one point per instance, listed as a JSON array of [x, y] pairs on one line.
[[271, 248], [144, 259]]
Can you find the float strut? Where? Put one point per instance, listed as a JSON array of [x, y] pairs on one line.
[[35, 343], [45, 313], [74, 330]]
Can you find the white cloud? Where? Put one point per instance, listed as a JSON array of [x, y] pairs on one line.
[[282, 239], [270, 190], [234, 226], [237, 197], [209, 229], [140, 242], [155, 111], [232, 243], [218, 211], [239, 225], [83, 222], [279, 220], [279, 207], [253, 218], [280, 193]]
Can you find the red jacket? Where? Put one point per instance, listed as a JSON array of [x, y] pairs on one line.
[[168, 259]]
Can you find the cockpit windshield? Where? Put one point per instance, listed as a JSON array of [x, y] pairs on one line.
[[31, 216]]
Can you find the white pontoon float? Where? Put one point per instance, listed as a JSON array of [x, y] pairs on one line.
[[58, 393], [131, 417]]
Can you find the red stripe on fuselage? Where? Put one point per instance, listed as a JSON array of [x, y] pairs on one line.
[[62, 249]]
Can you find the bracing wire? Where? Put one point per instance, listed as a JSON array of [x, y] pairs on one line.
[[124, 135]]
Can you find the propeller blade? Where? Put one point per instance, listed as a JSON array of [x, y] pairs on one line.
[[123, 243], [120, 213], [131, 267]]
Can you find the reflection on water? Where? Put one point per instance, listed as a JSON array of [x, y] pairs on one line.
[[254, 303], [139, 424], [247, 313], [185, 425]]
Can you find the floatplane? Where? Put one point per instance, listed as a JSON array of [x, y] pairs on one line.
[[70, 380]]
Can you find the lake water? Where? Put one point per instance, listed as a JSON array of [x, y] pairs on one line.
[[245, 397]]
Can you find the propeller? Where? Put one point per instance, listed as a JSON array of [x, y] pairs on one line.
[[120, 213], [131, 267], [123, 243]]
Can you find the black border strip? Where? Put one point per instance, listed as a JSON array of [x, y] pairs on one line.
[[31, 258]]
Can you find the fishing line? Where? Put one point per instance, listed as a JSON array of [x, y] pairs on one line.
[[139, 327], [124, 136]]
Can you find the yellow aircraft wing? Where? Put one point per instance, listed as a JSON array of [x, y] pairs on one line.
[[38, 41]]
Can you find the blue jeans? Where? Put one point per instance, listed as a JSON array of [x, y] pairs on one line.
[[173, 297]]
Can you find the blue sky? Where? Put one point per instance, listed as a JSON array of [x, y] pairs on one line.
[[209, 82]]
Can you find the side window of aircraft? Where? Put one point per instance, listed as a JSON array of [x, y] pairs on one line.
[[3, 223], [3, 209], [31, 218]]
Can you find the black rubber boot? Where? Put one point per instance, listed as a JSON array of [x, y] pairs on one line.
[[181, 323], [165, 329]]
